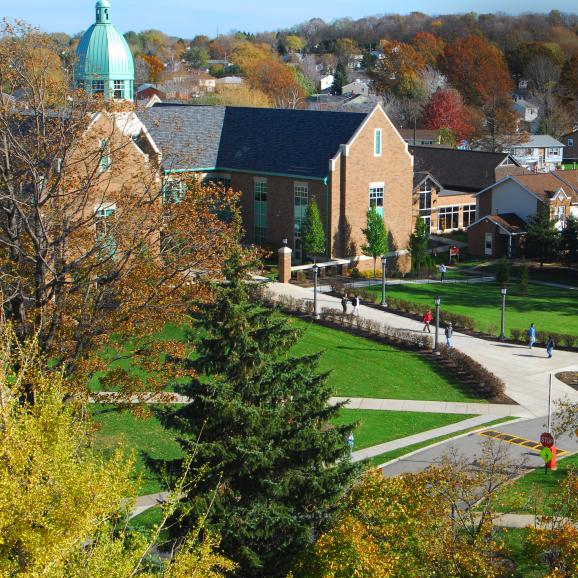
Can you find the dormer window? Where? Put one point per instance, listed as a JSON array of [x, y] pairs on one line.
[[119, 89]]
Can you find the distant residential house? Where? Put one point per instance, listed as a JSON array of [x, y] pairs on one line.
[[527, 111], [506, 207], [187, 84], [356, 87], [570, 142], [355, 61], [420, 137], [229, 81], [326, 82], [540, 153], [146, 91], [448, 199]]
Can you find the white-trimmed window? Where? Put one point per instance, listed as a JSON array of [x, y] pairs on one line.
[[103, 225], [425, 192], [98, 87], [173, 190], [448, 218], [570, 142], [469, 215], [377, 142], [104, 149], [376, 197], [260, 210], [119, 89], [300, 202], [560, 216]]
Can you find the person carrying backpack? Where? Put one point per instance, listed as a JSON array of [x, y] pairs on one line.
[[449, 334], [344, 302], [355, 303]]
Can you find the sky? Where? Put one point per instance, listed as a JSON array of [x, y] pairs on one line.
[[186, 18]]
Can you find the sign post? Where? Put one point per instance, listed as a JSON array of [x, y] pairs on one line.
[[548, 452]]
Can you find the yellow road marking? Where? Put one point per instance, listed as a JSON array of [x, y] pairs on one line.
[[518, 441]]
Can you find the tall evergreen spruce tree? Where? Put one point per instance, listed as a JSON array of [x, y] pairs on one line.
[[339, 79], [542, 238], [376, 236], [313, 232], [274, 465], [570, 240], [418, 247]]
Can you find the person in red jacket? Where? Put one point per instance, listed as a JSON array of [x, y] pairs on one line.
[[427, 319]]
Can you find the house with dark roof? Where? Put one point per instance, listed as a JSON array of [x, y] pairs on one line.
[[505, 208], [280, 159], [450, 203]]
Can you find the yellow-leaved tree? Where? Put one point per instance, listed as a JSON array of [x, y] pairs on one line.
[[64, 508]]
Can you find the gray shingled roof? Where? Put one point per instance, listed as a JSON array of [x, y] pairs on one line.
[[458, 170], [261, 140], [188, 136]]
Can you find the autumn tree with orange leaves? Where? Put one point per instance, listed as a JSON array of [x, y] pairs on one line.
[[93, 256], [266, 73], [398, 71], [479, 71], [446, 110]]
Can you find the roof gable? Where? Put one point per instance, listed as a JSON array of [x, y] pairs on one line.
[[261, 140]]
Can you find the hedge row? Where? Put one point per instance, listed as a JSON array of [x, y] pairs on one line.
[[418, 310], [521, 336], [484, 382], [367, 326], [376, 329]]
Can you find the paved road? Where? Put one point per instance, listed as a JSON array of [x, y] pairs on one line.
[[471, 445], [525, 372]]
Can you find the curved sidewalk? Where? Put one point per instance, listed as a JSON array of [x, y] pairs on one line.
[[525, 372]]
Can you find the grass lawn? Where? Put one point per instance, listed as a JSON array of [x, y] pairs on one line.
[[377, 427], [513, 540], [388, 456], [549, 308], [363, 368], [529, 493], [145, 436]]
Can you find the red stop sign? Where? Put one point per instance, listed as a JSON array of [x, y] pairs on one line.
[[547, 439]]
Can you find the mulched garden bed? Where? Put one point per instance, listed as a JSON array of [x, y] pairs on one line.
[[569, 378]]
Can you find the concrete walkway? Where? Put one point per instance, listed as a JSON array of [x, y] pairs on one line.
[[493, 409], [144, 503], [421, 437], [525, 372]]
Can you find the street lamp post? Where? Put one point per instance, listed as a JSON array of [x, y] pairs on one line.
[[437, 302], [383, 280], [315, 273], [502, 337]]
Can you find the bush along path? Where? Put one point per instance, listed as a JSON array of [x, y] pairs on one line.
[[524, 372]]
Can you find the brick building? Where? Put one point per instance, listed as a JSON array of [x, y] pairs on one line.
[[280, 159], [448, 198]]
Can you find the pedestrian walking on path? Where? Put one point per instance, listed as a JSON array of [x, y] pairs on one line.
[[443, 271], [449, 334], [355, 303], [344, 302], [427, 319], [550, 346], [531, 336]]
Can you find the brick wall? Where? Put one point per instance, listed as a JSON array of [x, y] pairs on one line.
[[358, 168]]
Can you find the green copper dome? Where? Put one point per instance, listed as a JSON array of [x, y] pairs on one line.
[[105, 65]]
